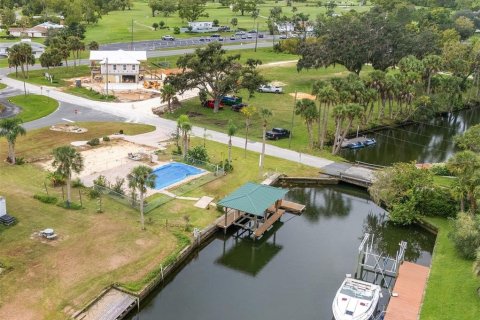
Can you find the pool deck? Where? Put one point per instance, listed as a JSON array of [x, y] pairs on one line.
[[410, 287]]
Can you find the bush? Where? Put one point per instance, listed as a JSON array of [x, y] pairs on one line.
[[197, 154], [440, 169], [45, 198], [403, 213], [466, 235], [19, 161], [94, 142], [77, 183], [93, 193], [435, 202], [55, 179], [101, 181], [118, 186], [120, 131], [71, 206], [176, 30], [227, 166], [106, 138]]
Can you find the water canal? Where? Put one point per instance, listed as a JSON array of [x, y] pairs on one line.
[[422, 142], [294, 271]]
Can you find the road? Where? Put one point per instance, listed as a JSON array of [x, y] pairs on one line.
[[140, 112]]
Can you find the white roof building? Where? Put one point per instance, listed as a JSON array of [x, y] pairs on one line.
[[118, 56], [117, 66]]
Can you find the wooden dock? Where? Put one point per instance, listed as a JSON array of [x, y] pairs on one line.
[[288, 206], [112, 305], [410, 287], [232, 217], [267, 224]]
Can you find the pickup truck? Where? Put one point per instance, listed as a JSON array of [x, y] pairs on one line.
[[231, 100], [270, 88], [277, 133], [211, 104]]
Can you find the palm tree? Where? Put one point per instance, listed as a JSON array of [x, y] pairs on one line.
[[431, 66], [167, 93], [248, 112], [11, 128], [348, 112], [308, 111], [183, 123], [466, 167], [21, 55], [67, 161], [328, 96], [93, 46], [75, 45], [264, 114], [232, 129], [141, 178]]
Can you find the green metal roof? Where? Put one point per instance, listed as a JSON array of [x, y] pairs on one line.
[[253, 198]]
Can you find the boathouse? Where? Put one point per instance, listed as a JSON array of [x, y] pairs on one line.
[[254, 207]]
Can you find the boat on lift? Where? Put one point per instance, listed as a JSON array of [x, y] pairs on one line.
[[370, 142], [355, 300], [355, 145]]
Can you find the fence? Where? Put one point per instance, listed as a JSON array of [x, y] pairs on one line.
[[216, 169]]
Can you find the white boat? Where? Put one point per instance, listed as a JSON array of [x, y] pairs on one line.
[[355, 300]]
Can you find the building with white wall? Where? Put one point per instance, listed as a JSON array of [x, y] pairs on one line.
[[117, 66]]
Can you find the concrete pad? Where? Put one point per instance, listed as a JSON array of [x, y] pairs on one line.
[[203, 202]]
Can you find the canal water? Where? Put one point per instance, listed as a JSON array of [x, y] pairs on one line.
[[294, 271], [427, 142]]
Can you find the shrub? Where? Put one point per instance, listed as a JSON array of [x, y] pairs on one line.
[[435, 202], [45, 198], [120, 131], [177, 152], [55, 179], [197, 154], [176, 30], [215, 22], [94, 142], [19, 161], [403, 213], [71, 206], [227, 166], [77, 183], [93, 193], [440, 169], [118, 186], [466, 235], [101, 181], [106, 138]]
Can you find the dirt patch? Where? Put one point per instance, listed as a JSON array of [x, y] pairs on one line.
[[303, 95], [278, 83], [220, 122], [193, 114], [70, 128]]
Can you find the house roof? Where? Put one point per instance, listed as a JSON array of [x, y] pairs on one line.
[[253, 198], [50, 25], [118, 56]]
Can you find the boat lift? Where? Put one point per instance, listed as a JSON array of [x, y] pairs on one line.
[[384, 266]]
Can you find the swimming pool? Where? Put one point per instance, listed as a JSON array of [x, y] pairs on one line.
[[173, 172]]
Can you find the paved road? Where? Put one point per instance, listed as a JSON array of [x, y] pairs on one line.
[[10, 109], [153, 45]]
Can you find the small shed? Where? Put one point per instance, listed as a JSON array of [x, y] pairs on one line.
[[250, 207]]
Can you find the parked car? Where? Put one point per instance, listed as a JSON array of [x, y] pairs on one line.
[[231, 100], [244, 36], [240, 33], [221, 39], [260, 35], [238, 106], [270, 89], [168, 38], [232, 37], [252, 31], [249, 36], [223, 28], [283, 36], [277, 133], [202, 39], [215, 35], [211, 104]]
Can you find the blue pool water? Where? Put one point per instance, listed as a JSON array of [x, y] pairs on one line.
[[172, 173]]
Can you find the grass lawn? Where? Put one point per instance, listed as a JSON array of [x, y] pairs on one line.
[[60, 74], [89, 94], [117, 26], [34, 106], [48, 280], [452, 288], [281, 106], [2, 86]]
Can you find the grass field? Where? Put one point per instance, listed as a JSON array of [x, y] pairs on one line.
[[452, 288], [89, 94], [34, 106], [60, 74], [50, 280], [117, 26], [2, 86]]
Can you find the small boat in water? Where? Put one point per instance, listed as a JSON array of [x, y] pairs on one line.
[[370, 142], [355, 300], [355, 145]]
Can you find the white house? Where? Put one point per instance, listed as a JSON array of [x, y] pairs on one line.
[[37, 48], [39, 31], [117, 66], [200, 25]]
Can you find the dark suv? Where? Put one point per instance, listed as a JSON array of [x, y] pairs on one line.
[[277, 133]]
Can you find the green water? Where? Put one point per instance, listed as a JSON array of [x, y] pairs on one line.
[[294, 271], [427, 142]]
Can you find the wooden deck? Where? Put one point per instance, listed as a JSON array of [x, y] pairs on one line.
[[267, 224], [410, 287], [232, 216], [288, 206], [113, 305]]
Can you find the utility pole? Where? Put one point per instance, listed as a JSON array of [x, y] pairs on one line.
[[293, 117], [131, 40], [256, 39]]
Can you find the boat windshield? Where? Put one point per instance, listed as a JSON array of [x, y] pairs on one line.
[[357, 293]]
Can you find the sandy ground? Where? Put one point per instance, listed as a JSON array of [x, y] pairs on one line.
[[303, 95]]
